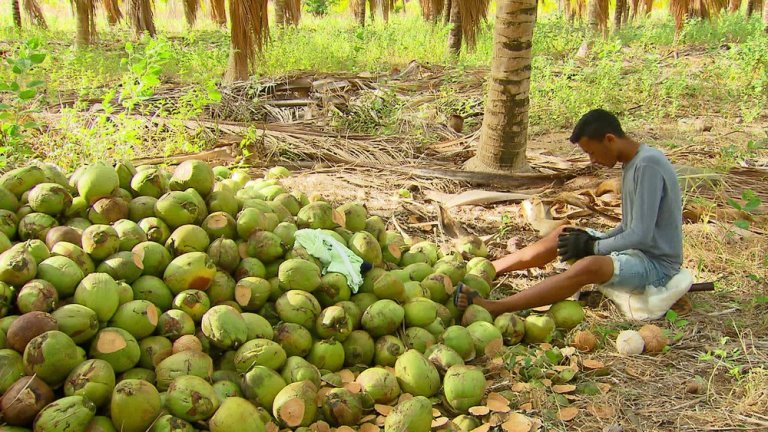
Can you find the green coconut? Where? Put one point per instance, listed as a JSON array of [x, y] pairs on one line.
[[456, 270], [137, 317], [294, 338], [327, 354], [8, 223], [225, 254], [258, 326], [108, 210], [418, 338], [342, 407], [259, 352], [78, 322], [299, 307], [194, 270], [318, 215], [420, 312], [416, 375], [290, 202], [35, 226], [63, 273], [250, 267], [135, 405], [297, 369], [261, 385], [363, 301], [460, 340], [387, 349], [36, 295], [17, 266], [124, 266], [12, 365], [222, 201], [8, 201], [566, 314], [194, 303], [365, 245], [97, 181], [236, 413], [388, 286], [7, 293], [224, 327], [359, 348], [191, 398], [429, 249], [19, 180], [539, 328], [298, 274], [100, 241], [486, 337], [150, 183], [98, 291], [380, 384], [410, 415], [382, 318], [222, 288], [475, 313], [333, 323], [100, 424], [333, 289], [156, 229], [94, 379], [511, 326], [141, 207], [220, 224], [194, 174], [50, 198], [117, 347], [71, 413], [355, 215], [154, 258], [183, 363], [154, 290], [252, 219], [186, 239], [464, 387], [482, 267], [177, 208], [443, 357], [295, 404], [51, 356]]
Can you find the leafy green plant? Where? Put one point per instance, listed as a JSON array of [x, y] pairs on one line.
[[19, 89], [144, 70], [319, 7], [750, 203], [725, 357], [677, 323]]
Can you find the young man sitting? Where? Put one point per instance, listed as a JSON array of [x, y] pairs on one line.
[[645, 249]]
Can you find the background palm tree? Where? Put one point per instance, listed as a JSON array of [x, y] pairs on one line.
[[85, 11], [112, 8], [734, 5], [16, 12], [250, 30], [191, 7], [287, 12], [35, 13], [503, 138], [597, 16], [754, 6], [142, 17], [219, 12], [466, 19]]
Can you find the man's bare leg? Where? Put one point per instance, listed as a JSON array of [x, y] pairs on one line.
[[589, 270], [537, 254]]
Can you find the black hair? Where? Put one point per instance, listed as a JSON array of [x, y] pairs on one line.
[[595, 125]]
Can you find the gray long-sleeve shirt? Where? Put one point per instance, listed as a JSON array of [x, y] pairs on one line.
[[651, 206]]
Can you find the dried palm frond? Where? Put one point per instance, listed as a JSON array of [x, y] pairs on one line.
[[191, 7], [292, 12], [575, 9], [85, 10], [472, 12], [112, 9], [704, 9], [142, 17], [219, 12], [35, 13], [250, 31], [431, 9]]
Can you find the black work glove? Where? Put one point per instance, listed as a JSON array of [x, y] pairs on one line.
[[575, 244]]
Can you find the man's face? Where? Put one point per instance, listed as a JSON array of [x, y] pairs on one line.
[[600, 152]]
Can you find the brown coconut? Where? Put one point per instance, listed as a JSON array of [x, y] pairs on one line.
[[62, 234], [654, 338], [24, 399], [29, 326], [187, 343], [584, 341]]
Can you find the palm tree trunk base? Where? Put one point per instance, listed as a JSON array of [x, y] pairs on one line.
[[476, 165]]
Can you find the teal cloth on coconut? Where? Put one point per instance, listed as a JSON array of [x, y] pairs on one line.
[[335, 256]]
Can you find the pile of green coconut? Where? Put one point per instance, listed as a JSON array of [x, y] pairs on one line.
[[175, 299]]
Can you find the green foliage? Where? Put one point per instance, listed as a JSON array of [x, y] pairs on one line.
[[319, 7], [19, 88], [750, 203]]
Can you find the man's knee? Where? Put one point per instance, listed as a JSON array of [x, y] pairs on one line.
[[594, 269]]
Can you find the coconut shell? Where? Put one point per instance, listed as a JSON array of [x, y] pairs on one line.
[[584, 341], [62, 234], [29, 326], [654, 338], [24, 399]]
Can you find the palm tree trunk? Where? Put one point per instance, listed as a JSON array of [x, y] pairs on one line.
[[190, 11], [85, 11], [454, 36], [754, 7], [598, 16], [35, 13], [358, 9], [734, 6], [618, 14], [373, 7], [504, 134], [112, 9], [250, 30], [142, 17], [219, 12], [292, 12], [447, 8], [765, 15], [16, 10], [280, 13]]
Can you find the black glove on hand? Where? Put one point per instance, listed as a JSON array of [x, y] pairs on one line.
[[575, 244]]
